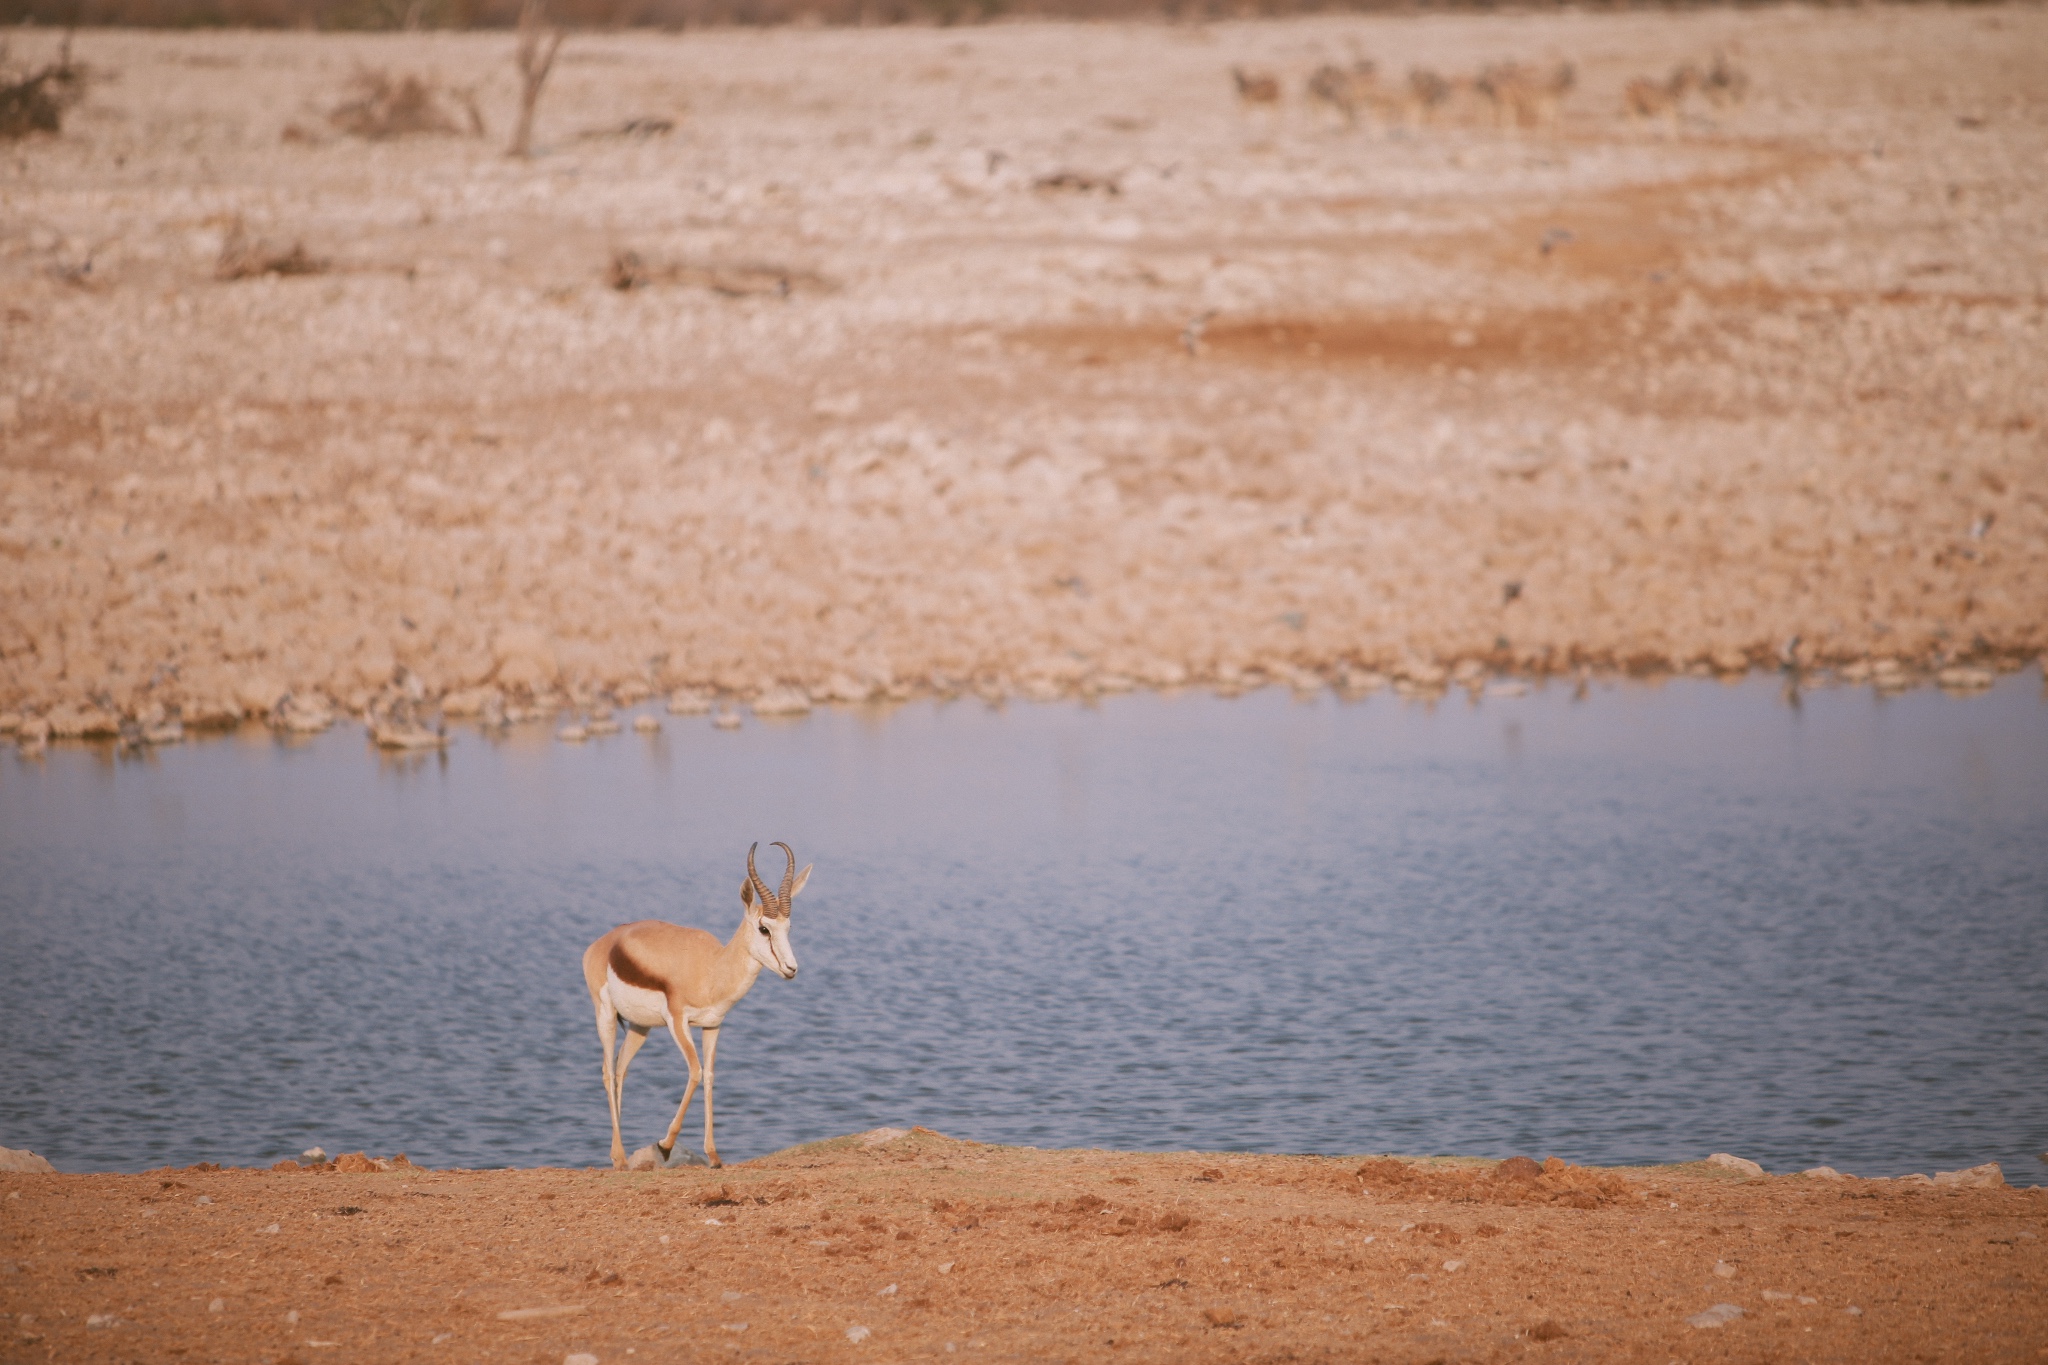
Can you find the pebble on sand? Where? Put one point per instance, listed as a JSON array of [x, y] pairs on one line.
[[857, 1334], [24, 1162], [1989, 1176], [1735, 1163], [579, 1358], [1723, 1270], [1823, 1173], [1720, 1315]]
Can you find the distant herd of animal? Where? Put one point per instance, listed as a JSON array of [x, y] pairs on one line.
[[1503, 95]]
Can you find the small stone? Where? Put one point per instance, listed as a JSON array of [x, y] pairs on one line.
[[1724, 1270], [1823, 1173], [292, 1318], [735, 1326], [274, 1228], [203, 1200], [646, 1159], [101, 1320], [1734, 1163], [25, 1162], [1454, 1265], [1776, 1295], [1989, 1176], [885, 1291], [1853, 1311], [579, 1358], [217, 1306], [314, 1154], [857, 1334], [1720, 1315], [782, 701], [646, 725], [945, 1267]]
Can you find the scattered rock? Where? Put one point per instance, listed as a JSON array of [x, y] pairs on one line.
[[1220, 1317], [395, 734], [1965, 679], [1989, 1176], [875, 1137], [648, 1158], [1547, 1330], [782, 701], [1735, 1163], [1723, 1270], [1823, 1173], [560, 1310], [83, 722], [857, 1334], [24, 1161], [258, 695], [1720, 1315], [314, 1154], [470, 701], [579, 1358]]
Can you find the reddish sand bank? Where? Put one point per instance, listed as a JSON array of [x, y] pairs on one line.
[[943, 1249]]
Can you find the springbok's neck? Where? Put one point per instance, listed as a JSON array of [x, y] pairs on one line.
[[737, 966]]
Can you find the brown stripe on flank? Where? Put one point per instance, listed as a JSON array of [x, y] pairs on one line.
[[631, 972]]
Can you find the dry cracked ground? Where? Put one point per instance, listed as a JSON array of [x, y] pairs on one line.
[[1024, 359], [895, 1246]]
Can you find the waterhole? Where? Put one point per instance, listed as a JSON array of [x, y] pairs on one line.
[[1644, 924]]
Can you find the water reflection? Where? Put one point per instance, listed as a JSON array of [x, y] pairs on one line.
[[1646, 926]]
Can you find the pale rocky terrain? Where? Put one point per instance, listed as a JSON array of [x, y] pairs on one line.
[[897, 1246], [1026, 359]]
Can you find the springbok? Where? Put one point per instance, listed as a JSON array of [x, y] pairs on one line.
[[656, 975]]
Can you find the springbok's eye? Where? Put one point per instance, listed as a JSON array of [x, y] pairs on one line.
[[764, 931]]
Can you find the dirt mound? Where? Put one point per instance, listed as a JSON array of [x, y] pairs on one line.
[[1517, 1180]]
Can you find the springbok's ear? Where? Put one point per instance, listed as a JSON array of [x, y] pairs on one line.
[[801, 878], [746, 893]]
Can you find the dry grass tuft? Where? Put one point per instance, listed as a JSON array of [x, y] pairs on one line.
[[380, 106], [35, 101]]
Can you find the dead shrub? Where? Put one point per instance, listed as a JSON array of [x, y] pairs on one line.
[[630, 270], [381, 106], [244, 257], [35, 101]]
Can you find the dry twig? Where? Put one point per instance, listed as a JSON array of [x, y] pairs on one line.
[[539, 41]]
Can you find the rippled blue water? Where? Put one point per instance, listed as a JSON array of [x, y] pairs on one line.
[[1642, 926]]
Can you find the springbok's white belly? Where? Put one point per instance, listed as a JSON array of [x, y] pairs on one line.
[[636, 1004]]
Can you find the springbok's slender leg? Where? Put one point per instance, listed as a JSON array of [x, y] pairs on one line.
[[710, 1065], [682, 1035], [636, 1038], [608, 1035]]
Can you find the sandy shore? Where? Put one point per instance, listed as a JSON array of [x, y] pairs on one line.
[[1026, 359], [942, 1249]]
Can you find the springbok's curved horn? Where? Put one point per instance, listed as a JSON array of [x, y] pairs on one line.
[[761, 896], [788, 875]]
